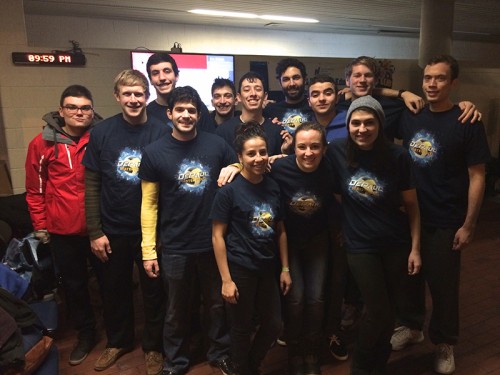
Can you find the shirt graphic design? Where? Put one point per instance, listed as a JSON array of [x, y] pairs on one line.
[[262, 220], [292, 119], [423, 148], [364, 186], [127, 165], [193, 176], [305, 204]]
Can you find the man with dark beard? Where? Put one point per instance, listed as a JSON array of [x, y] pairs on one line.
[[294, 110]]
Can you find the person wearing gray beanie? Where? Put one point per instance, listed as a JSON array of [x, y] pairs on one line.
[[366, 102], [382, 242]]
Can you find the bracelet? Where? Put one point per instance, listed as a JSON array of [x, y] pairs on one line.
[[400, 93], [285, 269]]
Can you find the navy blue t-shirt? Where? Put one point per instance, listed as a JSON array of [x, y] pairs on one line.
[[187, 173], [251, 212], [442, 149], [159, 112], [291, 116], [115, 150], [372, 219], [273, 134], [213, 123], [306, 196]]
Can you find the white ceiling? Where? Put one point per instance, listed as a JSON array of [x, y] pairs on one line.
[[477, 20]]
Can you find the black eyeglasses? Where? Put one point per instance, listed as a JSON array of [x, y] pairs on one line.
[[73, 109]]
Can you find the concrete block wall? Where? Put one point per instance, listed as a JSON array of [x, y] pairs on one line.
[[26, 93]]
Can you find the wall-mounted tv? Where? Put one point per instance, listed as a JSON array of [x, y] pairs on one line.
[[196, 70]]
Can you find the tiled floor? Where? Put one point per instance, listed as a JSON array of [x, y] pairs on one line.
[[478, 352]]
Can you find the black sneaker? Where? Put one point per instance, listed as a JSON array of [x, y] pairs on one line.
[[226, 366], [311, 365], [81, 351], [337, 348]]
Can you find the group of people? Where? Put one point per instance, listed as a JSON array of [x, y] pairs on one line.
[[284, 198]]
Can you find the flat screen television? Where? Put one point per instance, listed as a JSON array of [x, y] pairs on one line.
[[195, 69]]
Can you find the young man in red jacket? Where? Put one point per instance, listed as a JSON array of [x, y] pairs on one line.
[[55, 194]]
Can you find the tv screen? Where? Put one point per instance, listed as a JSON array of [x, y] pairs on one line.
[[196, 70]]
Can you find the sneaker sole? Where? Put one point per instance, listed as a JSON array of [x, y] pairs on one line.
[[340, 358], [78, 361], [281, 342]]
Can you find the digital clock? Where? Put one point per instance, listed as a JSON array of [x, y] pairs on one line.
[[58, 59]]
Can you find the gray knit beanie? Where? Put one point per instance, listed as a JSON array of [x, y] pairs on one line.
[[366, 101]]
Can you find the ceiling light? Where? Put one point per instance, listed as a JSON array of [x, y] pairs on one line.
[[288, 19], [220, 13]]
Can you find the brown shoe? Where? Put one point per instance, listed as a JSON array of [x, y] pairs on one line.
[[108, 357], [154, 363]]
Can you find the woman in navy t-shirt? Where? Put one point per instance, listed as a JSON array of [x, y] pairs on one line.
[[248, 234], [381, 225], [307, 194]]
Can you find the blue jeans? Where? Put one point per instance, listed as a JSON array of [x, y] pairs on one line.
[[379, 277], [441, 271], [308, 259], [180, 274], [258, 296], [336, 281]]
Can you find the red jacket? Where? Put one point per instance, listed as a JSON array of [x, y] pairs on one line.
[[55, 182]]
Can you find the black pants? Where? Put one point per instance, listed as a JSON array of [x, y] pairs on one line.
[[379, 277], [441, 271], [258, 296], [116, 283], [71, 254]]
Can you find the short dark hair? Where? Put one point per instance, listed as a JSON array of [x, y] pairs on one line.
[[246, 131], [184, 94], [223, 82], [322, 78], [311, 125], [78, 91], [251, 77], [369, 62], [159, 57], [284, 64], [447, 59]]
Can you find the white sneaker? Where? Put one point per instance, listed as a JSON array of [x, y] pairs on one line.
[[404, 336], [444, 362]]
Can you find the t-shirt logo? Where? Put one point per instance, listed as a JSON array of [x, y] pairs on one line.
[[304, 204], [423, 148], [127, 165], [193, 176], [292, 120], [263, 220], [365, 186]]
